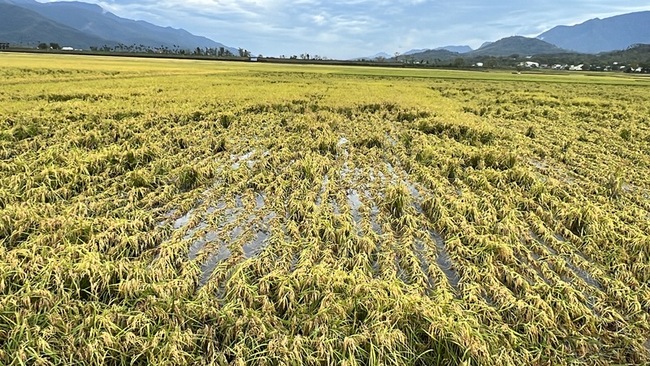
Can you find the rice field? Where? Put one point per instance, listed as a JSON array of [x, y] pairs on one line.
[[159, 212]]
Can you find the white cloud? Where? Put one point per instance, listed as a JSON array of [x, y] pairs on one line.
[[350, 28]]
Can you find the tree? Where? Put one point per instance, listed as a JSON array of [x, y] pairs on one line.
[[43, 46], [244, 52], [55, 46], [459, 62]]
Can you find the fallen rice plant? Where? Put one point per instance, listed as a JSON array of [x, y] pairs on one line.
[[182, 213]]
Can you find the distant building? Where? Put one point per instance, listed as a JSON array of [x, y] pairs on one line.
[[67, 49], [4, 46]]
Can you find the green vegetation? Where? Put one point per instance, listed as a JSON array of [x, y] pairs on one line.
[[161, 212]]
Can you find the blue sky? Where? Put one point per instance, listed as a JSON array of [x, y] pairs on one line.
[[346, 29]]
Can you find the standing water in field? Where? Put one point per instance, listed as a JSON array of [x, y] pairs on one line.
[[208, 267], [196, 247], [355, 203], [444, 260], [420, 251], [255, 246]]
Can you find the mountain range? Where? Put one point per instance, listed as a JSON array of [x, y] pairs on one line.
[[440, 52], [593, 36], [602, 35], [82, 25], [517, 45], [509, 46], [457, 49]]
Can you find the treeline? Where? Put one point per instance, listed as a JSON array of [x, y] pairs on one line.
[[636, 57]]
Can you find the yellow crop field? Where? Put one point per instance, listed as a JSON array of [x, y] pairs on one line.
[[161, 212]]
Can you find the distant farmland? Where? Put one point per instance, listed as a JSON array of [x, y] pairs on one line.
[[166, 212]]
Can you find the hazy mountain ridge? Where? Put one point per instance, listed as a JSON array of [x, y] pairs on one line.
[[457, 49], [601, 35], [97, 24], [435, 54], [517, 45], [593, 36], [30, 28]]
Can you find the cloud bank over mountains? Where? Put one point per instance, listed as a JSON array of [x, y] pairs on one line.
[[344, 29]]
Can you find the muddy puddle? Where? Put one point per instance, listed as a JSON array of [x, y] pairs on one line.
[[538, 164], [391, 171], [239, 229], [255, 246], [374, 214], [250, 249], [270, 216], [444, 260], [526, 263], [381, 176], [416, 197], [579, 272], [582, 274], [374, 258], [341, 144], [421, 254], [294, 260], [345, 170], [196, 247], [391, 140], [541, 242], [166, 217], [238, 201], [219, 206], [239, 160], [208, 267], [354, 201], [319, 198], [335, 206], [260, 200], [183, 220], [401, 273], [190, 233]]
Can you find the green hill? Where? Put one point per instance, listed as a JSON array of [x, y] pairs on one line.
[[517, 45], [25, 27]]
